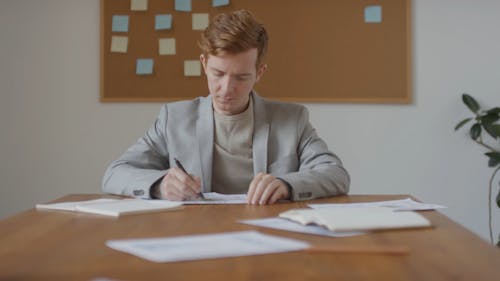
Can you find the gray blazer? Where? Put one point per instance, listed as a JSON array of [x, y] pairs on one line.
[[284, 144]]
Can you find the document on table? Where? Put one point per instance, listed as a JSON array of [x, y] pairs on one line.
[[397, 205], [218, 198], [357, 219], [113, 207], [284, 224], [71, 206], [208, 246]]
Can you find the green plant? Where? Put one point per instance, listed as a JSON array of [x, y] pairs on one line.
[[485, 122]]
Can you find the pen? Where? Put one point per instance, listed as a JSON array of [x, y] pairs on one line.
[[178, 163]]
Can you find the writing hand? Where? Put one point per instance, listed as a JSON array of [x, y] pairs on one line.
[[178, 186], [266, 189]]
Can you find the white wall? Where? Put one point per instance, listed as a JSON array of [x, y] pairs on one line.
[[57, 138]]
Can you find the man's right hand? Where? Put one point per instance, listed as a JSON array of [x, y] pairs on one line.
[[179, 186]]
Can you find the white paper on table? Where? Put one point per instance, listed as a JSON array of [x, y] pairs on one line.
[[218, 198], [284, 224], [208, 246], [71, 206], [397, 205]]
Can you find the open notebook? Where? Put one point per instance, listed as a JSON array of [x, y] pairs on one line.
[[357, 219], [113, 207]]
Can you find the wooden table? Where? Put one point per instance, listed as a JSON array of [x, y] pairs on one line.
[[54, 245]]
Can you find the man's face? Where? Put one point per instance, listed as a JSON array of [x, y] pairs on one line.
[[231, 79]]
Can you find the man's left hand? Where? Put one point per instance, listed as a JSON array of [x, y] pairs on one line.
[[266, 189]]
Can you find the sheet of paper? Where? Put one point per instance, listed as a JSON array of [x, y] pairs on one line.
[[139, 5], [219, 3], [128, 206], [213, 198], [200, 21], [183, 5], [209, 246], [192, 68], [357, 219], [119, 44], [166, 46], [284, 224], [373, 14], [398, 205], [71, 206], [144, 67], [119, 23], [163, 22]]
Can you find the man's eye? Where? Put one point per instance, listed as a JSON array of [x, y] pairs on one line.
[[241, 78]]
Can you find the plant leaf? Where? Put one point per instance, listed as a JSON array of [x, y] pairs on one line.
[[470, 102], [493, 130], [489, 118], [475, 131], [493, 162], [463, 122], [498, 200], [494, 158], [495, 110]]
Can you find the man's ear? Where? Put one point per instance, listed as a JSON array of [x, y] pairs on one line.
[[203, 61], [260, 71]]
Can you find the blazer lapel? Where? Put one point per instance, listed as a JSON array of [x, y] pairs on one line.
[[205, 136], [260, 135]]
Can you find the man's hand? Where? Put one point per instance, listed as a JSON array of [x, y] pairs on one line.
[[266, 189], [178, 186]]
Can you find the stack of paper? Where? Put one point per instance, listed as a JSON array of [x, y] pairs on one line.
[[357, 219], [113, 207]]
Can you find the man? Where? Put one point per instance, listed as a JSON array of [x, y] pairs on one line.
[[232, 141]]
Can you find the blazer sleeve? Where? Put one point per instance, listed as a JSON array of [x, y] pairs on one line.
[[321, 172], [142, 164]]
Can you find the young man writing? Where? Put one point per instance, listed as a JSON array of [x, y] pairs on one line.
[[232, 141]]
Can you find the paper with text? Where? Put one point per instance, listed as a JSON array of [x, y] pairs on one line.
[[208, 246], [213, 198], [284, 224]]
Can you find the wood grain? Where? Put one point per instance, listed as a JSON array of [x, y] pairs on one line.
[[53, 245]]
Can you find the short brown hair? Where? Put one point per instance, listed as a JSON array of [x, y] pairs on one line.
[[233, 33]]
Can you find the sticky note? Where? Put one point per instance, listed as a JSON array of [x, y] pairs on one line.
[[200, 21], [144, 67], [119, 44], [373, 14], [192, 68], [166, 46], [218, 3], [120, 23], [183, 5], [139, 5], [163, 22]]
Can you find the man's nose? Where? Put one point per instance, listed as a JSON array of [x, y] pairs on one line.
[[227, 84]]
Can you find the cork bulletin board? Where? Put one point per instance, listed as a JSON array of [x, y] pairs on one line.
[[354, 51]]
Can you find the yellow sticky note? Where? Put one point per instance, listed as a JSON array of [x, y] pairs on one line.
[[139, 5], [119, 44], [166, 46], [192, 68], [200, 21]]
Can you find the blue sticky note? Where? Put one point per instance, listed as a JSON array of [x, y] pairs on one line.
[[144, 67], [120, 24], [183, 5], [163, 22], [373, 14], [219, 3]]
